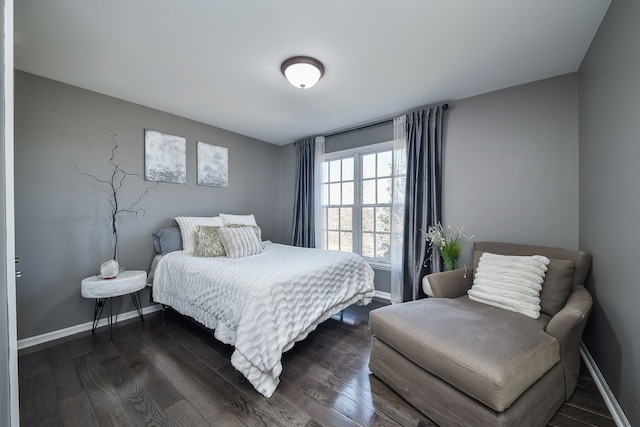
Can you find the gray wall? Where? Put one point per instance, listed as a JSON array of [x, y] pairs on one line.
[[382, 132], [61, 217], [511, 168], [286, 195], [510, 164], [609, 82]]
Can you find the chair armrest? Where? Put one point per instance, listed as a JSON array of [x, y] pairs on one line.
[[567, 327], [575, 312], [450, 284]]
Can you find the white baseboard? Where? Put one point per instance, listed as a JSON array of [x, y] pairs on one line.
[[61, 333], [383, 295], [607, 395]]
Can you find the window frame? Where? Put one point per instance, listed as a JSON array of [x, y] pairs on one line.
[[357, 153]]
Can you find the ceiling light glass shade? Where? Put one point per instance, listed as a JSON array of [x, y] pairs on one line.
[[302, 71]]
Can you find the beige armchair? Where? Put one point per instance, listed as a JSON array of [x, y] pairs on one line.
[[465, 363]]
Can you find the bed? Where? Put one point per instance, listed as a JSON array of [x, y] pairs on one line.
[[264, 303]]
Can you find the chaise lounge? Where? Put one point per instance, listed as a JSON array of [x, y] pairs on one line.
[[462, 362]]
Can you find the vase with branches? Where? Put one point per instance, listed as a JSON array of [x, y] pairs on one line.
[[112, 186]]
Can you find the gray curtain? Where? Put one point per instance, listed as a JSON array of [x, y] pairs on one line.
[[304, 207], [423, 196]]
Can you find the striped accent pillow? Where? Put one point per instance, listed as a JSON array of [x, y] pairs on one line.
[[255, 228], [239, 242], [510, 282]]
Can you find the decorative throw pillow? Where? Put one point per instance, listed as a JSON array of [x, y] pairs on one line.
[[167, 240], [208, 242], [557, 286], [240, 242], [188, 226], [255, 228], [510, 282], [228, 219]]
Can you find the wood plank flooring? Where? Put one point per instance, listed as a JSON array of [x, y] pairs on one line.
[[176, 374]]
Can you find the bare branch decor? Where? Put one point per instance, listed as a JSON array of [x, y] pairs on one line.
[[213, 165], [112, 185], [165, 157]]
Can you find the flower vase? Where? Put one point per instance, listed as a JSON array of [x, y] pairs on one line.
[[449, 262]]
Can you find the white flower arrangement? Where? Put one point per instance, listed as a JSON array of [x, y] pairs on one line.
[[449, 243]]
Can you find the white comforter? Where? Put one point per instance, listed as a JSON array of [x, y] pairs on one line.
[[263, 304]]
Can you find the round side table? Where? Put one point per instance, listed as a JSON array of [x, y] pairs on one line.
[[103, 290]]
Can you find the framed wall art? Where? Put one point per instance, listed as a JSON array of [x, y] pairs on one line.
[[165, 157], [213, 165]]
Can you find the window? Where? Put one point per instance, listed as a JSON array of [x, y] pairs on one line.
[[338, 197], [357, 190]]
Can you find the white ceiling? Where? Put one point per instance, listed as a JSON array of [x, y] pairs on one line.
[[218, 61]]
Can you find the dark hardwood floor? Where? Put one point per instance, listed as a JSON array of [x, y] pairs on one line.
[[176, 374]]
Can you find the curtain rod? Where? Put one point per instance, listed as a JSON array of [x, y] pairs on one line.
[[370, 125]]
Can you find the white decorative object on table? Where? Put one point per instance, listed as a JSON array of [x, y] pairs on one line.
[[103, 290], [109, 269]]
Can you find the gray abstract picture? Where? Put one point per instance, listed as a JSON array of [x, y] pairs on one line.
[[165, 157], [213, 165]]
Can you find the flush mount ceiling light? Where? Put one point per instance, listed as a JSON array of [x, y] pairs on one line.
[[302, 71]]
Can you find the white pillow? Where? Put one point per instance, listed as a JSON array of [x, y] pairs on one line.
[[510, 282], [240, 242], [228, 219], [188, 225]]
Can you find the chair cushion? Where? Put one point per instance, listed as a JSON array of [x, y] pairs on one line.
[[556, 286], [491, 354]]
